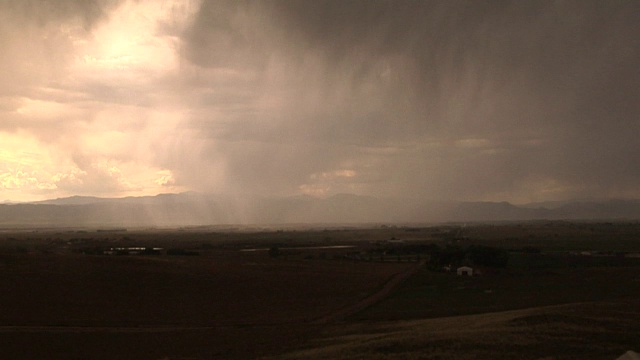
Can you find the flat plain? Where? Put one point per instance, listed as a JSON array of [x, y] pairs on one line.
[[570, 290]]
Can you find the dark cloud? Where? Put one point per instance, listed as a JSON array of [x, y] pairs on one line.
[[479, 99], [37, 39]]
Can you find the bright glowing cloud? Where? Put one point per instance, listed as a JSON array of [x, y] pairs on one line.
[[95, 125], [130, 45]]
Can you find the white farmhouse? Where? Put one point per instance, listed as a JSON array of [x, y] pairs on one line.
[[465, 270]]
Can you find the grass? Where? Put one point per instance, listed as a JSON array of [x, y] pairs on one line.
[[227, 304], [434, 294], [601, 330]]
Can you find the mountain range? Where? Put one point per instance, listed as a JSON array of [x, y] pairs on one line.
[[195, 209]]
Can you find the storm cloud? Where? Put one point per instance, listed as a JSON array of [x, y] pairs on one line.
[[436, 100]]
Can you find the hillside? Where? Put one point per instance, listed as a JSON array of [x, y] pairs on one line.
[[603, 330], [193, 209]]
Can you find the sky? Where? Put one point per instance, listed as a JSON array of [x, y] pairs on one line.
[[519, 101]]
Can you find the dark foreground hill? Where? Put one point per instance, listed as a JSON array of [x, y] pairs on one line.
[[599, 330], [192, 209]]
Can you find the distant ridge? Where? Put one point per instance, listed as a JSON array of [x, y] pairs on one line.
[[85, 200], [191, 209], [73, 200]]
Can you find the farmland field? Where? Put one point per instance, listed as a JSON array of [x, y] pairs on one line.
[[318, 293]]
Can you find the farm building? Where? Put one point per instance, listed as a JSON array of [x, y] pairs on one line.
[[133, 251], [464, 270]]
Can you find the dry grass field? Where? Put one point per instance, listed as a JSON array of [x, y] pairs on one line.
[[221, 304], [58, 303], [598, 330], [222, 289]]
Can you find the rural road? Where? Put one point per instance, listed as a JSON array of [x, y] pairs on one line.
[[372, 299]]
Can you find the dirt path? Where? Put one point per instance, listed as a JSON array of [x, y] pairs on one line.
[[372, 299]]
